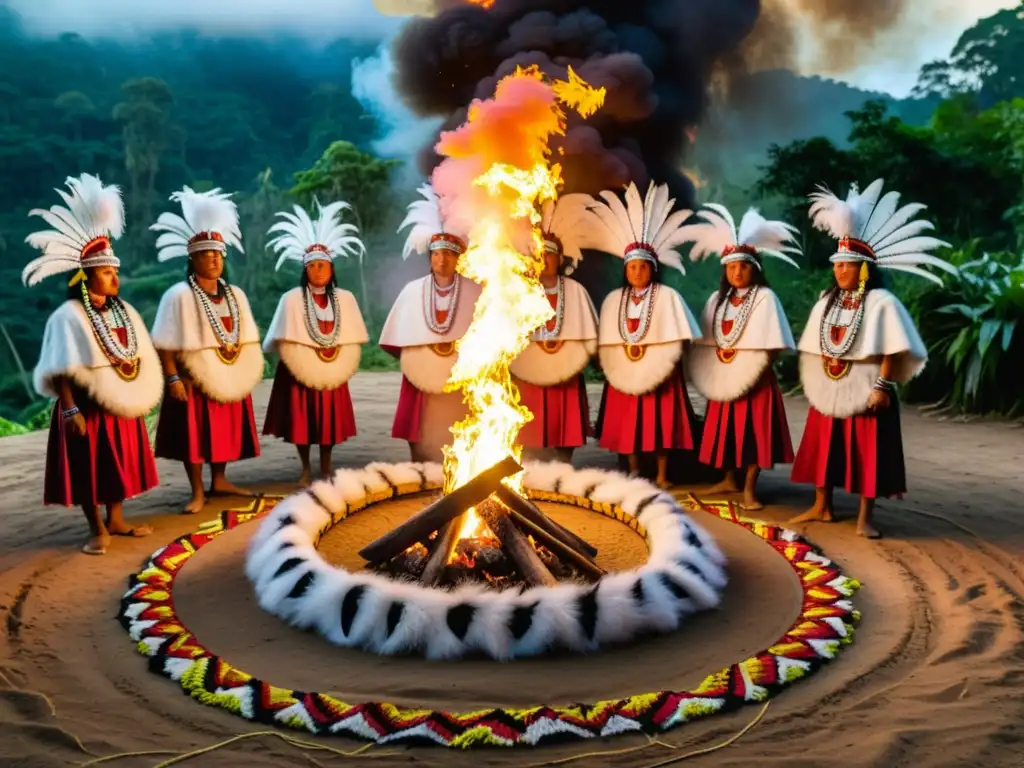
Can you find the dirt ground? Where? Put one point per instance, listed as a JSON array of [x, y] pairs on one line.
[[934, 678]]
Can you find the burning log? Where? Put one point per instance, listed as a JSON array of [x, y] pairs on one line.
[[516, 545], [444, 510], [444, 545], [529, 510], [564, 552]]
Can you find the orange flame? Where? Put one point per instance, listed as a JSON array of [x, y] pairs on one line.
[[494, 179]]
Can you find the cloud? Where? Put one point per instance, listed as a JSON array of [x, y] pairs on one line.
[[316, 19]]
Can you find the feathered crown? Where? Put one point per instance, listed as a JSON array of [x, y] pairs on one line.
[[716, 233], [428, 231], [82, 232], [562, 224], [208, 222], [639, 229], [305, 240], [872, 228]]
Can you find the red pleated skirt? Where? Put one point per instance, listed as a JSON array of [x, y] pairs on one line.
[[659, 420], [303, 416], [561, 414], [407, 416], [862, 454], [751, 430], [112, 462], [203, 431]]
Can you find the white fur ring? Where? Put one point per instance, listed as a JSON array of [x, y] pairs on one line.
[[684, 573]]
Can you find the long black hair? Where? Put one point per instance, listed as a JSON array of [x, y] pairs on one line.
[[759, 278], [74, 292], [875, 280], [331, 284]]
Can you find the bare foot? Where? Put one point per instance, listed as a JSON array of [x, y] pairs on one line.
[[195, 505], [816, 514], [96, 545], [304, 478], [726, 486], [224, 487], [662, 483], [751, 503], [868, 532], [138, 532]]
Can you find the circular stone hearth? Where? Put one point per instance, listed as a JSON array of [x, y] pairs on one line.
[[684, 573]]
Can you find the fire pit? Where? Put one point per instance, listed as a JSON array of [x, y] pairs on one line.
[[373, 610]]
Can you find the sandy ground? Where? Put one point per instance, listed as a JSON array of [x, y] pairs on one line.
[[935, 677]]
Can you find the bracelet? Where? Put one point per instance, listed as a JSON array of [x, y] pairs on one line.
[[884, 385], [72, 411], [173, 378]]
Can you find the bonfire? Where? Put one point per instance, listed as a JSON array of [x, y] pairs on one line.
[[496, 176]]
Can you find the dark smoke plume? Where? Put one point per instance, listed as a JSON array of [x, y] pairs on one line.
[[655, 57]]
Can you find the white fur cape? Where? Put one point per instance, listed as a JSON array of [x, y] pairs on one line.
[[885, 330], [182, 327], [767, 330], [426, 369], [672, 324], [406, 325], [684, 574], [70, 349], [579, 343], [289, 338]]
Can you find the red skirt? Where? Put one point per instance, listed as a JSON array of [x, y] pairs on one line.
[[303, 416], [561, 415], [749, 430], [408, 414], [659, 420], [862, 454], [203, 431], [112, 462]]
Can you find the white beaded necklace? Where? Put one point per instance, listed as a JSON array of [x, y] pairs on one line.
[[103, 330], [832, 319], [729, 340], [542, 333], [646, 312], [227, 338], [430, 304], [314, 314]]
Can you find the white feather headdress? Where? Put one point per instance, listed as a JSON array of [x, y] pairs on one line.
[[304, 240], [639, 229], [428, 231], [872, 227], [562, 223], [717, 233], [82, 232], [208, 222]]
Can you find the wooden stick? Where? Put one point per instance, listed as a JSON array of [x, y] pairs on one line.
[[446, 540], [447, 508], [535, 515], [516, 545], [564, 553]]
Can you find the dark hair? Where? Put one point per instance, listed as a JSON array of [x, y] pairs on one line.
[[655, 274], [875, 280], [759, 278], [331, 284], [74, 292]]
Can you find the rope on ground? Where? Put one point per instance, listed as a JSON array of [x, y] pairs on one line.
[[53, 711], [656, 743], [715, 747], [180, 757]]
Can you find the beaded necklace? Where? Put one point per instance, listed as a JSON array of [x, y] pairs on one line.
[[430, 287], [542, 333], [646, 312], [312, 315], [832, 319], [227, 338], [728, 340]]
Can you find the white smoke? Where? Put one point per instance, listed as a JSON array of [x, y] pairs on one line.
[[405, 132]]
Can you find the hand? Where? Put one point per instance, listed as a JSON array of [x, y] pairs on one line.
[[177, 391], [77, 424], [878, 401]]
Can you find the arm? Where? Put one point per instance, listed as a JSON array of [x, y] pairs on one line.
[[881, 395], [67, 405], [175, 386]]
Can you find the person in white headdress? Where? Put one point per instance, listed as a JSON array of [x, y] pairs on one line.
[[210, 347], [428, 317], [858, 345], [549, 372], [743, 328], [97, 360], [643, 329], [318, 333]]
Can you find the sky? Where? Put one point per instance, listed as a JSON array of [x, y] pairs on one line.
[[928, 32]]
